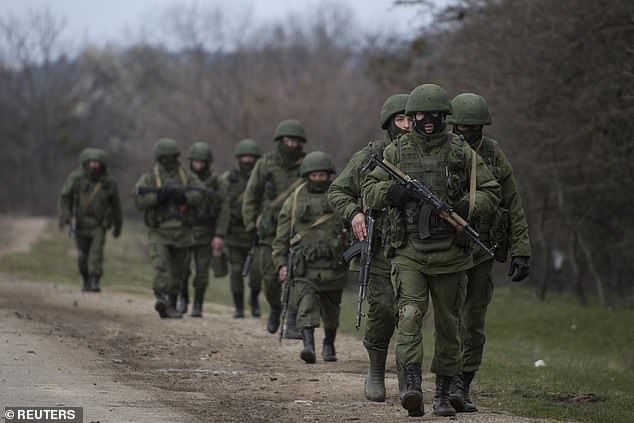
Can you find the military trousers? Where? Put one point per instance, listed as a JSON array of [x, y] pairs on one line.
[[170, 264], [237, 256], [381, 314], [270, 279], [479, 291], [200, 257], [414, 289], [315, 305], [90, 245]]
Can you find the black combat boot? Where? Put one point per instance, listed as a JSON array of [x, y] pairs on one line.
[[274, 319], [328, 351], [85, 286], [375, 380], [411, 394], [161, 304], [442, 406], [459, 393], [183, 300], [171, 311], [291, 331], [238, 301], [308, 353], [255, 306], [197, 308], [94, 283]]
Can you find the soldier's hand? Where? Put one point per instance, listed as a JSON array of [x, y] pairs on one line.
[[217, 243], [462, 208], [282, 273], [399, 196], [520, 267], [358, 226]]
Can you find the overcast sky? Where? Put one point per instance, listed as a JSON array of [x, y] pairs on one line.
[[100, 20]]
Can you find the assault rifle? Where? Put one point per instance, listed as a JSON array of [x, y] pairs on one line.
[[286, 289], [72, 227], [425, 196], [365, 249], [248, 261]]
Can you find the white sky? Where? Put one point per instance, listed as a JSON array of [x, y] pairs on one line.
[[101, 20]]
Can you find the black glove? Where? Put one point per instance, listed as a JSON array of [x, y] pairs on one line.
[[163, 195], [520, 265], [179, 197], [462, 208], [253, 236], [399, 196], [116, 232]]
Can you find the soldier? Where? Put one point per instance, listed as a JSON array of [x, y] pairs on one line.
[[165, 194], [344, 197], [506, 227], [274, 177], [433, 265], [317, 235], [230, 231], [202, 219], [90, 203]]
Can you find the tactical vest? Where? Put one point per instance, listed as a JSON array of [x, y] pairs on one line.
[[277, 180], [205, 213], [444, 174], [322, 246], [93, 202], [170, 215], [237, 183]]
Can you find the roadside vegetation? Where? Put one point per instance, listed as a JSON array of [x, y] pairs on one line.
[[586, 350]]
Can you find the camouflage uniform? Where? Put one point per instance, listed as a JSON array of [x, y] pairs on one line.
[[506, 227], [91, 198], [202, 219], [433, 266], [319, 272], [275, 175], [231, 227], [165, 217], [344, 197]]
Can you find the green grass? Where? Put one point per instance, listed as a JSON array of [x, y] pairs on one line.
[[588, 351]]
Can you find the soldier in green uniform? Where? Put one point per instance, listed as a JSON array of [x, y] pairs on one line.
[[344, 196], [274, 177], [89, 202], [202, 219], [430, 258], [317, 235], [506, 227], [230, 230], [165, 196]]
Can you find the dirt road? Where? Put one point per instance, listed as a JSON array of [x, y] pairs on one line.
[[112, 355]]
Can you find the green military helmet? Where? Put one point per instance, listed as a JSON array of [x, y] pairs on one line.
[[85, 154], [395, 104], [247, 147], [290, 128], [428, 98], [95, 154], [166, 147], [469, 109], [200, 151], [316, 161]]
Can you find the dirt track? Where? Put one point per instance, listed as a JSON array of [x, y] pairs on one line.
[[112, 355]]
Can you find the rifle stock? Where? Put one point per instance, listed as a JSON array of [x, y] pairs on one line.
[[248, 261], [424, 195]]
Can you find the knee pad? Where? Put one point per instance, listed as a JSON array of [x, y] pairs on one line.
[[410, 319]]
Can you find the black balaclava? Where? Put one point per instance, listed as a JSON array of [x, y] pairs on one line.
[[246, 167], [290, 154], [318, 187], [169, 162], [94, 173], [438, 122], [472, 135], [200, 172]]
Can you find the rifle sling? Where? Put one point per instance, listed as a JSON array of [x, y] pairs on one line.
[[321, 219], [472, 183], [92, 195], [281, 197]]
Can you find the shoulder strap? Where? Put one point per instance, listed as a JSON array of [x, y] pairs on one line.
[[282, 195], [93, 193], [321, 219], [472, 182]]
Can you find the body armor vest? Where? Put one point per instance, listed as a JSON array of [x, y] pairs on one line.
[[170, 215], [237, 183], [93, 202], [205, 213]]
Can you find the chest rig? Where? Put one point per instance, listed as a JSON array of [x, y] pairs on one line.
[[439, 169]]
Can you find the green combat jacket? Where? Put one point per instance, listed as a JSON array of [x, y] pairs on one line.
[[167, 224], [230, 225], [506, 227], [202, 217], [442, 162], [94, 203], [344, 197], [318, 249], [267, 188]]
